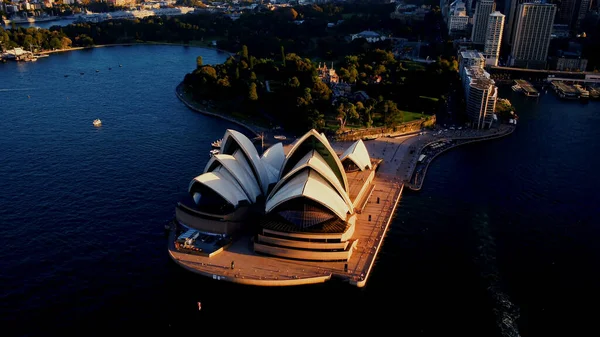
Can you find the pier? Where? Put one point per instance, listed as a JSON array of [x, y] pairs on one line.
[[527, 88]]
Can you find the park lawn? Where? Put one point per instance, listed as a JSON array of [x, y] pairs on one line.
[[410, 116], [433, 99], [412, 66], [407, 116]]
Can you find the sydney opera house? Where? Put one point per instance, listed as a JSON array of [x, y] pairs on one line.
[[296, 202]]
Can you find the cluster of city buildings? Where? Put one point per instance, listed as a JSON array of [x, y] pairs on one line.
[[522, 27], [24, 11]]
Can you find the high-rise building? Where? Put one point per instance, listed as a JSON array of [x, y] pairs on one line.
[[457, 16], [572, 12], [469, 58], [480, 20], [480, 91], [493, 38], [531, 36], [481, 95], [509, 23]]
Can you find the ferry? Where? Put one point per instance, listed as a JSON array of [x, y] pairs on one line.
[[594, 92], [564, 90], [97, 122], [583, 93]]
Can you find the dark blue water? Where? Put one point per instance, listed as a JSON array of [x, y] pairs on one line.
[[501, 241]]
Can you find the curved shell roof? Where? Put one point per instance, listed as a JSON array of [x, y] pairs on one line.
[[234, 140], [222, 184], [358, 154], [273, 159], [314, 161], [309, 184], [241, 174], [312, 140]]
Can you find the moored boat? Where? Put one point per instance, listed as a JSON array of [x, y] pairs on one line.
[[216, 143]]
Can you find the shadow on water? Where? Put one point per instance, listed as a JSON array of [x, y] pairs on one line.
[[505, 311]]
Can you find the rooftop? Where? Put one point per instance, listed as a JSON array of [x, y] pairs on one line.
[[479, 78], [471, 54]]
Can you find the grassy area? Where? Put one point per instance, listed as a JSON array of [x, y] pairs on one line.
[[413, 66], [433, 99], [410, 116]]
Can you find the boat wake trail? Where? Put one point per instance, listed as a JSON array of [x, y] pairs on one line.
[[19, 89], [505, 311]]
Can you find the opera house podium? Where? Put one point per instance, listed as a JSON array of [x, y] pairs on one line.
[[298, 205]]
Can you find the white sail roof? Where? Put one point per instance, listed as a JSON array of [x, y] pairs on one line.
[[312, 140], [241, 174], [273, 159], [313, 160], [311, 185], [358, 154], [233, 137], [220, 184]]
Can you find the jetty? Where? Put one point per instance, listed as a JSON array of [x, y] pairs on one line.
[[526, 88]]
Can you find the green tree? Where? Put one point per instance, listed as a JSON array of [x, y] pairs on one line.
[[199, 62], [346, 111], [252, 94], [55, 43], [294, 82]]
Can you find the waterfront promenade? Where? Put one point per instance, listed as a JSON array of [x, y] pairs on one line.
[[439, 141]]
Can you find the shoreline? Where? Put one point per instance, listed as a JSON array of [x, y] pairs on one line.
[[191, 105], [47, 52], [417, 186]]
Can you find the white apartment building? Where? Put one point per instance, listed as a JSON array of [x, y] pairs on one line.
[[493, 38], [469, 58], [481, 95]]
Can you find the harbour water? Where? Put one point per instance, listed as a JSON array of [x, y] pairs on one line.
[[501, 240]]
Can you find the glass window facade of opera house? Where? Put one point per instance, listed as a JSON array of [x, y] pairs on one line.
[[298, 202]]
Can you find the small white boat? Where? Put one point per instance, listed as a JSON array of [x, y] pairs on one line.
[[97, 122], [216, 143], [213, 152], [279, 137]]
